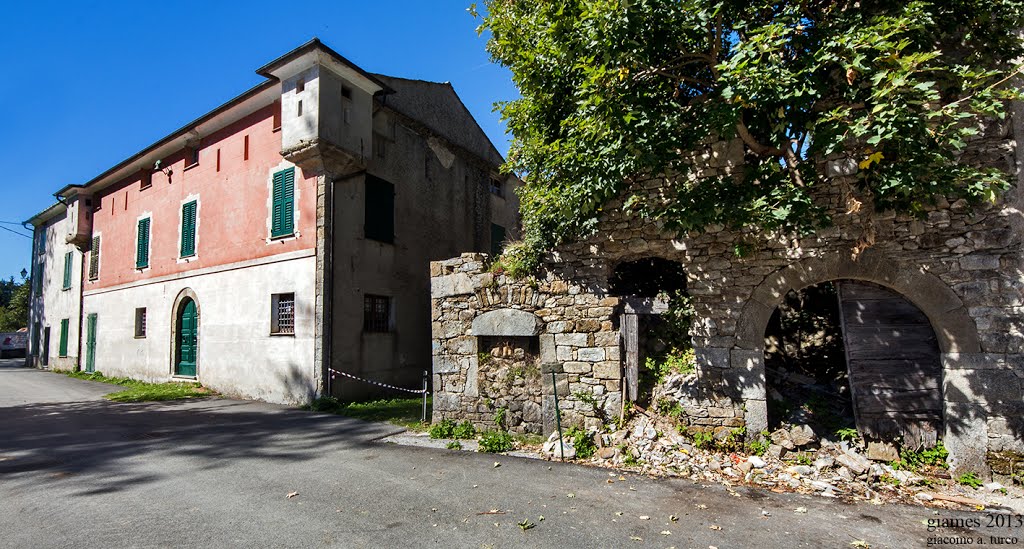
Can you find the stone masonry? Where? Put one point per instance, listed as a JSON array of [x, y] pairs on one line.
[[963, 268]]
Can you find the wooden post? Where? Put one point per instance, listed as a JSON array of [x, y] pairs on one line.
[[630, 340]]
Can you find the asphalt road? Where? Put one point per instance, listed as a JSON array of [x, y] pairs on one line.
[[80, 471]]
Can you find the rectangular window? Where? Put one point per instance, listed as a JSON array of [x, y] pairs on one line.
[[376, 313], [68, 267], [282, 319], [147, 180], [94, 259], [191, 156], [65, 325], [188, 229], [380, 147], [379, 220], [42, 241], [497, 189], [245, 148], [142, 245], [277, 115], [497, 239], [140, 322], [283, 213]]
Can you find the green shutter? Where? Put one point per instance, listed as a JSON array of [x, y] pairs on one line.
[[379, 211], [142, 252], [68, 258], [94, 259], [188, 229], [64, 325], [497, 239], [282, 221]]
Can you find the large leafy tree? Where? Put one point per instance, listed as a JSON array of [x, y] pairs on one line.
[[614, 92], [14, 301]]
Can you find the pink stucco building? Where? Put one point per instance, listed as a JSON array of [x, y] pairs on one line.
[[286, 232]]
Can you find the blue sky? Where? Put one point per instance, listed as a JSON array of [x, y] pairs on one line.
[[88, 84]]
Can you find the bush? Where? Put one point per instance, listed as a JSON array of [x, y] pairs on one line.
[[495, 442], [447, 428], [683, 362], [970, 479], [913, 460], [583, 442]]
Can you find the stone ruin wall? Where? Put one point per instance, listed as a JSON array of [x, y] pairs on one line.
[[963, 268]]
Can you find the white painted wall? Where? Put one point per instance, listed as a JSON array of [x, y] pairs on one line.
[[55, 302], [237, 355]]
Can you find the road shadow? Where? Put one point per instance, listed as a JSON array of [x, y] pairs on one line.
[[105, 442]]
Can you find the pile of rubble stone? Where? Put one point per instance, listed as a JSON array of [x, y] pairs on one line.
[[796, 460]]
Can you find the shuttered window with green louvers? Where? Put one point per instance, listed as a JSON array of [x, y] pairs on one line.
[[65, 325], [283, 211], [68, 259], [94, 259], [142, 250], [188, 229]]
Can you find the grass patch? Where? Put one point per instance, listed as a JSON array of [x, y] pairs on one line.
[[404, 412], [142, 391]]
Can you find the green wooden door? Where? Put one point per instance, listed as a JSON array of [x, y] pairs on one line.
[[90, 343], [188, 338]]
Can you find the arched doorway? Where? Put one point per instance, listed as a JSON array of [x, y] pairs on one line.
[[185, 335], [850, 352], [952, 326]]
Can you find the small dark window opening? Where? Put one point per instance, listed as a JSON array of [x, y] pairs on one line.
[[218, 160], [145, 182], [245, 148], [346, 92], [497, 189], [298, 111], [277, 115], [376, 313], [300, 85], [282, 314], [140, 322], [647, 278], [379, 223], [192, 156]]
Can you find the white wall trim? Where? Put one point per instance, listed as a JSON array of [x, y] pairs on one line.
[[288, 256]]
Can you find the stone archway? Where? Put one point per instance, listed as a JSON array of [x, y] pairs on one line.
[[954, 328]]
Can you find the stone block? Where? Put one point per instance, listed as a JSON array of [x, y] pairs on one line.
[[444, 364], [981, 386], [978, 262], [588, 325], [564, 353], [606, 339], [712, 357], [577, 367], [973, 361], [451, 285], [560, 326], [572, 339], [547, 348], [608, 370], [507, 322], [590, 354]]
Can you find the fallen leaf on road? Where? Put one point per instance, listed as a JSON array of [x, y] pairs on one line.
[[673, 518], [636, 538], [645, 517], [701, 506], [291, 495], [622, 478], [715, 527], [492, 512], [800, 510], [618, 513], [570, 495], [610, 481], [497, 464], [860, 543], [526, 525], [665, 533], [540, 518]]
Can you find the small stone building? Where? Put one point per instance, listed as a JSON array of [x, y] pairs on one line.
[[960, 269]]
